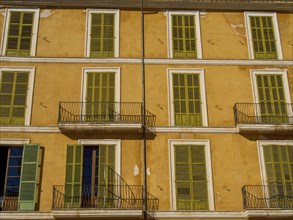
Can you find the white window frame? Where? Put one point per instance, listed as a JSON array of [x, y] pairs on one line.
[[206, 143], [14, 141], [116, 142], [197, 31], [85, 70], [202, 93], [260, 145], [34, 29], [283, 72], [89, 12], [276, 32], [30, 89]]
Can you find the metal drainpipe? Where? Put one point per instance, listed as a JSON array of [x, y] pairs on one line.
[[144, 187]]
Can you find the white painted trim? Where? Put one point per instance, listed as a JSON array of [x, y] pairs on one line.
[[197, 31], [147, 61], [34, 29], [4, 30], [116, 142], [206, 143], [26, 215], [95, 213], [14, 141], [30, 90], [268, 213], [30, 129], [260, 145], [116, 13], [200, 214], [276, 32], [200, 72], [282, 72], [265, 128], [161, 129], [116, 70], [173, 129]]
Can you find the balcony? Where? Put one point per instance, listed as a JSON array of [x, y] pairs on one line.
[[268, 200], [264, 117], [112, 198], [9, 200], [104, 117]]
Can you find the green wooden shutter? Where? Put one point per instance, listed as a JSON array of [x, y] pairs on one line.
[[183, 36], [102, 35], [107, 181], [13, 96], [279, 169], [73, 181], [190, 177], [100, 96], [272, 98], [186, 99], [19, 33], [28, 180], [263, 37]]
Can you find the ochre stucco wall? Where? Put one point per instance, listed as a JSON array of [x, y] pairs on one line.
[[232, 81], [62, 33], [234, 157]]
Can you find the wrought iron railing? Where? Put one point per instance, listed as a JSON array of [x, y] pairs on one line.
[[100, 196], [112, 193], [267, 196], [263, 113], [9, 200], [104, 112]]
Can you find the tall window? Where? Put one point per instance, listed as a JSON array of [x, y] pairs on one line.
[[19, 177], [263, 36], [102, 34], [191, 175], [187, 98], [100, 96], [90, 175], [277, 160], [20, 32], [13, 97], [184, 35], [271, 92]]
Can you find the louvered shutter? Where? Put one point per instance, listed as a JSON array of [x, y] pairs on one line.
[[20, 33], [107, 180], [199, 178], [73, 181], [190, 177], [100, 96], [279, 169], [102, 35], [28, 180], [183, 36], [263, 37], [13, 96], [186, 99], [272, 98], [182, 178]]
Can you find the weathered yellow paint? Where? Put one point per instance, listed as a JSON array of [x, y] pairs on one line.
[[234, 157]]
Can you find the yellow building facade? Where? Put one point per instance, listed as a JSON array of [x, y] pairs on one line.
[[194, 120]]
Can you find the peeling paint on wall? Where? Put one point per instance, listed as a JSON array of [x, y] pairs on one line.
[[148, 171], [135, 170], [2, 12], [218, 196], [47, 13], [238, 29], [203, 14]]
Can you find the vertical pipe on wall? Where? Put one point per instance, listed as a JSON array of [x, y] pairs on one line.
[[143, 115]]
